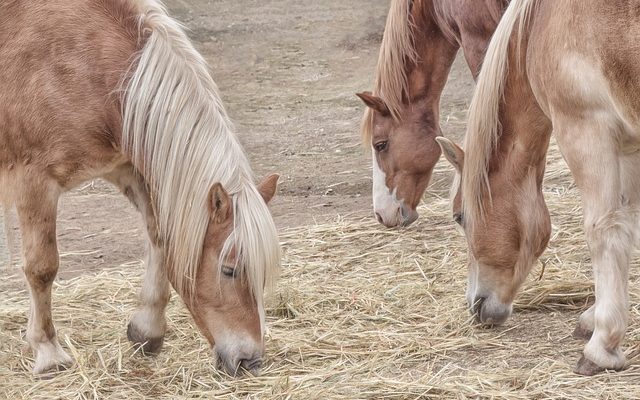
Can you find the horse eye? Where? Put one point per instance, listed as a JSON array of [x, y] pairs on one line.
[[457, 217], [229, 272], [381, 146]]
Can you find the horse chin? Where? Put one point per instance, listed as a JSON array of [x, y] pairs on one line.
[[409, 215]]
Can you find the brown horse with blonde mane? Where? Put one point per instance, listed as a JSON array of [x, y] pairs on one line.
[[420, 43], [573, 67], [115, 89]]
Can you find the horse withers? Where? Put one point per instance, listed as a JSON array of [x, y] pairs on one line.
[[420, 43], [572, 67], [114, 89]]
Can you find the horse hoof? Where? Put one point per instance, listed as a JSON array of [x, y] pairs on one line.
[[582, 333], [587, 367], [48, 370], [52, 371], [147, 345]]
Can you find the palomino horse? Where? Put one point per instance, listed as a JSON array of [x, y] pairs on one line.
[[114, 89], [420, 43], [572, 66]]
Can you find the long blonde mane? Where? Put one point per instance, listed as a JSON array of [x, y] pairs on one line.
[[483, 127], [396, 51], [177, 133]]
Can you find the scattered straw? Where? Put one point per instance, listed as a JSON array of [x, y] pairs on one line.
[[360, 312]]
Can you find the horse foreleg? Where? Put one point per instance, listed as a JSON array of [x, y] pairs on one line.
[[611, 238], [37, 209], [148, 325], [608, 182]]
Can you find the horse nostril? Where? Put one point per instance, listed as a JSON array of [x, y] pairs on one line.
[[477, 306], [252, 365], [379, 217]]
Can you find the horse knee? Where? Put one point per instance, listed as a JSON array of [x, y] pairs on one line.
[[40, 276], [612, 231], [41, 266]]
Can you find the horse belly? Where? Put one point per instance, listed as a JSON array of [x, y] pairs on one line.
[[35, 142]]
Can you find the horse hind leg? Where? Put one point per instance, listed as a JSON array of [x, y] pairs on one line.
[[37, 208], [147, 326]]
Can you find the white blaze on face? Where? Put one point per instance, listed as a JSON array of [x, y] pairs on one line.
[[385, 202]]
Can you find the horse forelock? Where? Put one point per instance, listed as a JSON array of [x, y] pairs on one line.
[[483, 127], [256, 243], [177, 133]]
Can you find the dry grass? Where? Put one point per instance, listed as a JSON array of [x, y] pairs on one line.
[[360, 312]]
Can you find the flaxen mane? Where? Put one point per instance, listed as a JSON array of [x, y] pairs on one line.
[[483, 127], [177, 133], [396, 51]]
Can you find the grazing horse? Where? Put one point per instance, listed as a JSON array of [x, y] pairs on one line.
[[115, 89], [420, 43], [573, 67]]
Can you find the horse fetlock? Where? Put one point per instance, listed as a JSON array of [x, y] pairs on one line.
[[582, 332], [142, 339], [586, 325]]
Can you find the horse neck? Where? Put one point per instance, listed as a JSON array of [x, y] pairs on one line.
[[517, 165], [525, 129], [471, 24], [435, 55]]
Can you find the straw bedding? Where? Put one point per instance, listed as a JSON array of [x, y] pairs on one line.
[[360, 312]]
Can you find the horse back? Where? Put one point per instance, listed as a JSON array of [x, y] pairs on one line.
[[584, 56]]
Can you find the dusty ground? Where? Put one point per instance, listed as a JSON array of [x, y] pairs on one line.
[[288, 72]]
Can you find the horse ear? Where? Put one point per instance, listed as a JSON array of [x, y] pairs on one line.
[[374, 102], [219, 204], [268, 186], [452, 152]]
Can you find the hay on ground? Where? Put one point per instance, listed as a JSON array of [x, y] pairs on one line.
[[360, 312]]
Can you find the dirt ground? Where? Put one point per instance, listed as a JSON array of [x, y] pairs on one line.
[[287, 71]]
